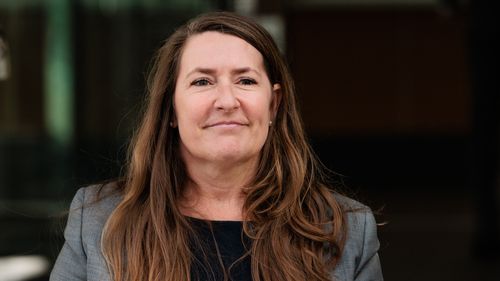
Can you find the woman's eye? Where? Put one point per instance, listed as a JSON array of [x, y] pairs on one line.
[[247, 81], [200, 82]]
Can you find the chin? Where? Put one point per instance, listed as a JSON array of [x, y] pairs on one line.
[[233, 155], [228, 156]]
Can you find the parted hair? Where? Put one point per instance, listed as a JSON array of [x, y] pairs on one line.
[[295, 224]]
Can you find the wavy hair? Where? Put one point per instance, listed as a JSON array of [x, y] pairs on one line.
[[296, 225]]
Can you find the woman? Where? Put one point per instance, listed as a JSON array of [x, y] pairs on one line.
[[221, 183]]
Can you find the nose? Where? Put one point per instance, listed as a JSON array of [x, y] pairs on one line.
[[226, 99]]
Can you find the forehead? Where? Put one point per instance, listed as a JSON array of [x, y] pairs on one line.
[[213, 49]]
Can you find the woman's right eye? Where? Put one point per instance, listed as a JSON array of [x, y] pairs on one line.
[[200, 82]]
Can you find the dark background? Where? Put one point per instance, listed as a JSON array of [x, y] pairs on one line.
[[400, 97]]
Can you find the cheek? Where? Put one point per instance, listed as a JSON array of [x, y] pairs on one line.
[[259, 108], [265, 114], [188, 111], [191, 116]]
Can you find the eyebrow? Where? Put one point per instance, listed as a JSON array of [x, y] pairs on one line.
[[211, 71]]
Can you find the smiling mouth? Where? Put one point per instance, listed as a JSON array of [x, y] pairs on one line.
[[227, 124]]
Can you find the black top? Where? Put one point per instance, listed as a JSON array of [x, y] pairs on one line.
[[219, 248]]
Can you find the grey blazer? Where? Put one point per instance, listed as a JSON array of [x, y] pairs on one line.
[[81, 257]]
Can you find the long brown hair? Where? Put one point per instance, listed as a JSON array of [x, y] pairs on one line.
[[295, 224]]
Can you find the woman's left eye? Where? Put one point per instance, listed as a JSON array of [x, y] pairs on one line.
[[247, 81]]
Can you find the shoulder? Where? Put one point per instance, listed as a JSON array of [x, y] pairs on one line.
[[98, 193], [358, 217], [95, 204], [360, 224], [359, 260], [97, 199], [349, 204], [88, 214], [81, 256]]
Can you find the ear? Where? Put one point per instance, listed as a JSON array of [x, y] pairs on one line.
[[173, 123], [275, 99]]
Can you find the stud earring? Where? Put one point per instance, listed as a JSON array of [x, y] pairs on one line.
[[270, 123]]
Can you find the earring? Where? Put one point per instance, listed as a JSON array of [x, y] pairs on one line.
[[270, 123], [172, 124]]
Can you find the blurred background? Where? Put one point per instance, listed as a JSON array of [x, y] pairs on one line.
[[399, 96]]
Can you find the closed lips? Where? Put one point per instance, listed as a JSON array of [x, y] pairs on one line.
[[226, 123]]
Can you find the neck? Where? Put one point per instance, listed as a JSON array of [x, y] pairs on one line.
[[214, 191]]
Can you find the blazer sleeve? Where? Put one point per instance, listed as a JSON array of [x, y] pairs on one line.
[[368, 268], [72, 260]]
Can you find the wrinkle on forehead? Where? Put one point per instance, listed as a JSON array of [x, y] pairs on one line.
[[211, 51]]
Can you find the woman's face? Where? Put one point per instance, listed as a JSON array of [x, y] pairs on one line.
[[223, 100]]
